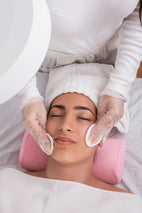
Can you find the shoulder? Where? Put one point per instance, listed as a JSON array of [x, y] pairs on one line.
[[117, 189], [108, 187], [40, 174], [113, 188]]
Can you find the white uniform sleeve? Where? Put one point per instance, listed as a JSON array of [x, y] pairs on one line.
[[30, 94], [128, 57]]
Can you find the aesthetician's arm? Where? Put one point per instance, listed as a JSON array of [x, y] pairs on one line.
[[129, 55], [34, 113]]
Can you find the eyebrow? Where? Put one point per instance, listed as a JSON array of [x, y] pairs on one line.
[[76, 108], [84, 108], [58, 106]]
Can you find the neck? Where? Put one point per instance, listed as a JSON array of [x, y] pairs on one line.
[[78, 172]]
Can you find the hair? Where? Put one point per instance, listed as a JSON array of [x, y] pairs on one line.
[[140, 12]]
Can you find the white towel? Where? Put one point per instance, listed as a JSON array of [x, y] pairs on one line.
[[22, 193]]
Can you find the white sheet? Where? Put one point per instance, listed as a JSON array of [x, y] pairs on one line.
[[32, 194], [11, 134]]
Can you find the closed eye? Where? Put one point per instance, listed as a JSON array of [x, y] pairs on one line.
[[82, 118], [56, 115]]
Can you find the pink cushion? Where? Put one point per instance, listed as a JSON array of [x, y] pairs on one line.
[[108, 164], [109, 161], [31, 156]]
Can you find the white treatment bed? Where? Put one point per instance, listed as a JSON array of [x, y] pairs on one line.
[[11, 134]]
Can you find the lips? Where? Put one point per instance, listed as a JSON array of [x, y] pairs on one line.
[[64, 141]]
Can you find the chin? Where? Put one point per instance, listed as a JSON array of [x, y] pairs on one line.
[[63, 157]]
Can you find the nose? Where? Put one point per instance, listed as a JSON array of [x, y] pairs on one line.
[[66, 124]]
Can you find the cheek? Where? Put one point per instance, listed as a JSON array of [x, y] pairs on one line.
[[81, 133], [51, 127]]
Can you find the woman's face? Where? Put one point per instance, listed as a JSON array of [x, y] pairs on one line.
[[69, 118]]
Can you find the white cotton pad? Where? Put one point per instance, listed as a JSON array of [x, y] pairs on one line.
[[45, 147], [88, 138], [52, 141]]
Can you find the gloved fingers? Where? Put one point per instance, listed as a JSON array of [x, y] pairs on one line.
[[43, 139], [102, 107], [89, 139], [34, 120], [102, 142], [101, 129], [112, 106], [46, 147], [110, 110], [34, 111], [33, 123]]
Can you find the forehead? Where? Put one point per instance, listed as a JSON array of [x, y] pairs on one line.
[[73, 99]]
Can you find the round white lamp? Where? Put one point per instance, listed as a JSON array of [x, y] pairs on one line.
[[25, 29]]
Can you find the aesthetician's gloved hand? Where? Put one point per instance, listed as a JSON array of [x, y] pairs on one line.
[[34, 117], [110, 110]]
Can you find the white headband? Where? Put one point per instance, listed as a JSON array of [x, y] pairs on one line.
[[88, 79]]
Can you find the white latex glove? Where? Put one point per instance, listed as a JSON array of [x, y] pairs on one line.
[[110, 110], [34, 117]]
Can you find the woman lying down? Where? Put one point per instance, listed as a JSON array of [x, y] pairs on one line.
[[67, 184]]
